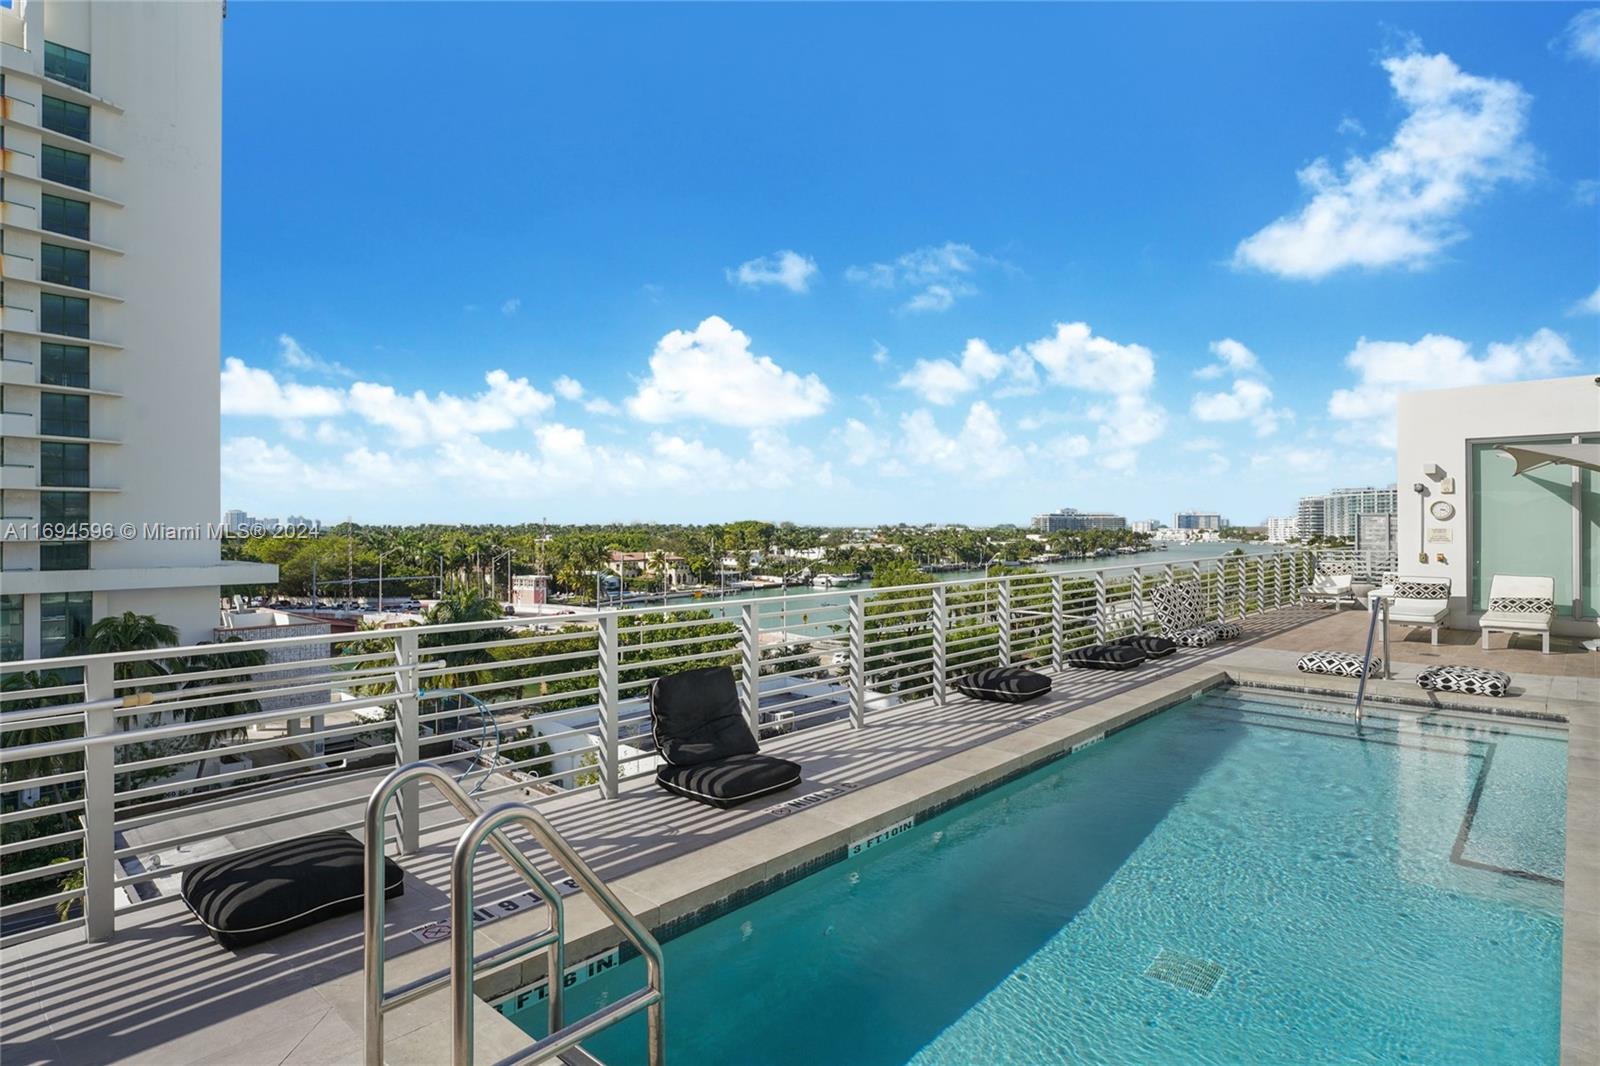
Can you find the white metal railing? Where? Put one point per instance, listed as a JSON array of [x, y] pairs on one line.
[[106, 760]]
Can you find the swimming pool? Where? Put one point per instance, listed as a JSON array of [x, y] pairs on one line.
[[1242, 878]]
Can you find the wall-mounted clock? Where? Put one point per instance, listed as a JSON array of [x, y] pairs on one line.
[[1443, 510]]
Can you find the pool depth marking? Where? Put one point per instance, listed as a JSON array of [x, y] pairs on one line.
[[576, 974], [888, 832], [439, 931]]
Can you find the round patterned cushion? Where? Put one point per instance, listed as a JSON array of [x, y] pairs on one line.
[[1470, 679], [1336, 663]]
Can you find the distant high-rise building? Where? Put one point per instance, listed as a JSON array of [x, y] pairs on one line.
[[1198, 520], [1344, 507], [1308, 518], [1282, 530], [1147, 525], [1377, 532], [113, 273], [1068, 518]]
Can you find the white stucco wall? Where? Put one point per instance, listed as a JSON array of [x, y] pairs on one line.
[[1439, 427]]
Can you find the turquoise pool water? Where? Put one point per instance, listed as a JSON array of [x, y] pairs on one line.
[[1241, 879]]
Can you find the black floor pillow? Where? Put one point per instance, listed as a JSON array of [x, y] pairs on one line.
[[1004, 684], [1104, 657], [256, 895], [731, 781], [1153, 646]]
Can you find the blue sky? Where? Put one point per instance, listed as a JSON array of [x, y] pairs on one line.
[[879, 263]]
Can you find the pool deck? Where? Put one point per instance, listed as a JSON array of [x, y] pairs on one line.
[[162, 992]]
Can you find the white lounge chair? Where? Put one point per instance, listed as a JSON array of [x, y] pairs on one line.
[[1419, 601], [1520, 605], [1331, 588]]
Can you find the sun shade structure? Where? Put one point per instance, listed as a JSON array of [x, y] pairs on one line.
[[1533, 456]]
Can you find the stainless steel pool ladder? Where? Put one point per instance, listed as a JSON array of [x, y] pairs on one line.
[[1377, 606], [466, 966]]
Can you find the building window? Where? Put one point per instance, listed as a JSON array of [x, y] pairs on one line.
[[1521, 524], [66, 315], [63, 416], [64, 117], [73, 555], [64, 364], [10, 628], [61, 215], [66, 65], [64, 618], [66, 465], [63, 508], [64, 266], [59, 164]]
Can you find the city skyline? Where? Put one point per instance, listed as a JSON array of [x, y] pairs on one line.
[[720, 304]]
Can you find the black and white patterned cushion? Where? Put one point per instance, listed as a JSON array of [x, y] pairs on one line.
[[1522, 605], [1202, 637], [1471, 679], [1412, 589], [1180, 608], [1336, 663], [1004, 684]]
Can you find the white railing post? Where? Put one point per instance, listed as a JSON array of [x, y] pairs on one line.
[[1261, 584], [1277, 580], [407, 736], [857, 609], [1138, 599], [609, 702], [99, 805], [1099, 606], [750, 643], [1222, 589], [941, 629], [1003, 645], [1058, 623], [1244, 586]]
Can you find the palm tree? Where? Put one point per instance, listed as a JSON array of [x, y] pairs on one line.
[[128, 632], [232, 705]]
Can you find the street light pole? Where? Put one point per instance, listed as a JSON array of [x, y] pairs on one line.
[[381, 557]]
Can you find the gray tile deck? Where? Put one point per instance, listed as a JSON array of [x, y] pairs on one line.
[[162, 992]]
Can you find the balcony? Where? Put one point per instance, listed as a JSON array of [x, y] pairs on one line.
[[854, 685]]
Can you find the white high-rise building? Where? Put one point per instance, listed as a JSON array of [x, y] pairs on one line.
[[109, 487], [1282, 530]]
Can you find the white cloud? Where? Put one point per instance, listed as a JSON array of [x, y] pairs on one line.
[[511, 305], [980, 450], [942, 381], [880, 354], [936, 275], [862, 444], [789, 269], [292, 355], [1581, 38], [1589, 305], [1351, 126], [1298, 460], [248, 390], [711, 373], [568, 388], [1398, 206], [1387, 368], [1231, 358], [1075, 358], [419, 418], [1247, 399]]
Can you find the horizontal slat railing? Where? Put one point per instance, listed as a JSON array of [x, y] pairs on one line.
[[107, 761]]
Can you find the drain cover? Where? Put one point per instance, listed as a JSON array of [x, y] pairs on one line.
[[1199, 976]]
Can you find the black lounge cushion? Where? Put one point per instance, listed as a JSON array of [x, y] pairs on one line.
[[256, 895], [1004, 684], [731, 781], [710, 752], [696, 717], [1153, 646], [1105, 657]]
